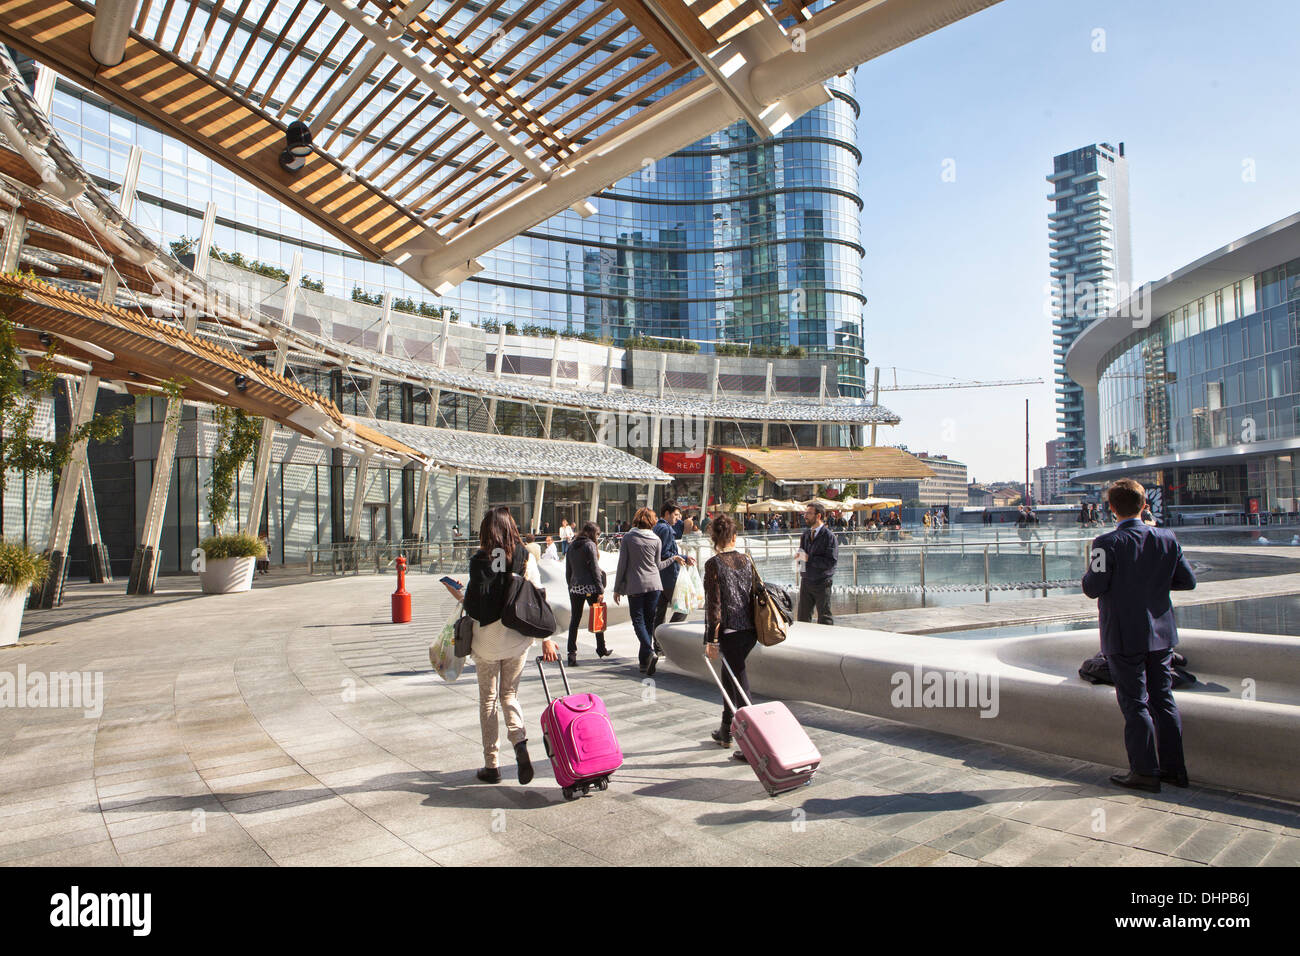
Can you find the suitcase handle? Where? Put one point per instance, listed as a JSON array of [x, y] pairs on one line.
[[736, 683], [563, 676]]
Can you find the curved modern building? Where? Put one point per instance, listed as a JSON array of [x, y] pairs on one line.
[[1193, 384]]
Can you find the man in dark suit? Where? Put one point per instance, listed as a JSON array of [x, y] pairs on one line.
[[1131, 571], [818, 555]]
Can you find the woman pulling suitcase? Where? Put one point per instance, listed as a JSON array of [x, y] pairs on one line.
[[499, 652], [728, 615]]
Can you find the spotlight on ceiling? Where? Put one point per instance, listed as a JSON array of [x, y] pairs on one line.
[[241, 382], [46, 339], [297, 146]]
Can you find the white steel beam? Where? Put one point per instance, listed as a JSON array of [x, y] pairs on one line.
[[108, 284], [788, 82], [111, 28]]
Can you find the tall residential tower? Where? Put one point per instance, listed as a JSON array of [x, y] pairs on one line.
[[1092, 265]]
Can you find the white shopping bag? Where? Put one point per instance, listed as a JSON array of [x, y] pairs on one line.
[[442, 652], [689, 593]]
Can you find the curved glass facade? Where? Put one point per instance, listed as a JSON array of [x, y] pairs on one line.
[[734, 239], [1218, 371], [1221, 371]]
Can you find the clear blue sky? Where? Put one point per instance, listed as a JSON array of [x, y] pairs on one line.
[[955, 272]]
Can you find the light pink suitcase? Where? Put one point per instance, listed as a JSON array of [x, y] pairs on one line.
[[579, 738], [772, 740]]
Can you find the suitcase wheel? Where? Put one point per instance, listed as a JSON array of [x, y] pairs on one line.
[[569, 794], [602, 783], [586, 789]]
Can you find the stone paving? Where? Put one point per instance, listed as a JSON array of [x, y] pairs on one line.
[[295, 725]]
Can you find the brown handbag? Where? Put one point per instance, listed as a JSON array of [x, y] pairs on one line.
[[769, 622]]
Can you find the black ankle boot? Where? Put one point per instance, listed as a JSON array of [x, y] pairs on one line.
[[573, 658], [722, 736], [525, 765], [489, 775], [603, 651]]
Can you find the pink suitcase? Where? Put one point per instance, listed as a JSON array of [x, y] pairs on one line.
[[579, 738], [771, 739]]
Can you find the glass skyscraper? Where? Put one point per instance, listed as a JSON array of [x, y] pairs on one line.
[[1091, 264], [734, 240]]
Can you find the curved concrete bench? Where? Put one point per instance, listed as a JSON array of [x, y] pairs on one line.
[[1040, 702], [557, 592]]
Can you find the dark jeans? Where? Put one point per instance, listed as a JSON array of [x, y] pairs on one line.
[[735, 647], [818, 595], [1153, 730], [669, 578], [642, 609], [577, 604]]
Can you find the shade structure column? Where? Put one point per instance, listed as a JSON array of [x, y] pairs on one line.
[[655, 428], [875, 400], [421, 510], [144, 563], [767, 400], [478, 504], [359, 495], [262, 460], [50, 592], [708, 444], [821, 400], [101, 570], [372, 395], [595, 501], [538, 497]]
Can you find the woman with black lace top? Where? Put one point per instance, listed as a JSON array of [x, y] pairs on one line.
[[728, 614]]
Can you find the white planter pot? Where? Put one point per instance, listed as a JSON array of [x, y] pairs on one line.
[[12, 602], [227, 575]]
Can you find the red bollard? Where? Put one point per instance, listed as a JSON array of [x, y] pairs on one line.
[[401, 597]]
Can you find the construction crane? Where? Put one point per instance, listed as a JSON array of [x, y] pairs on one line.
[[998, 383]]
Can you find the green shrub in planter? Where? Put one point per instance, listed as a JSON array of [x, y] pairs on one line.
[[233, 546], [21, 567]]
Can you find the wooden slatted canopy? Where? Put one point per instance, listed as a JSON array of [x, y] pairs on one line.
[[442, 130], [60, 226], [395, 157], [146, 351], [793, 466]]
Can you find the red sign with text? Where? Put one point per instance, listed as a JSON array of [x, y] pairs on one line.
[[692, 463]]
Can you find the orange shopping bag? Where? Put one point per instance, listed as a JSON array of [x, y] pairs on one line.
[[596, 619]]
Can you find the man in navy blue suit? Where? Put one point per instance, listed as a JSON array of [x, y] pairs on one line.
[[1131, 571]]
